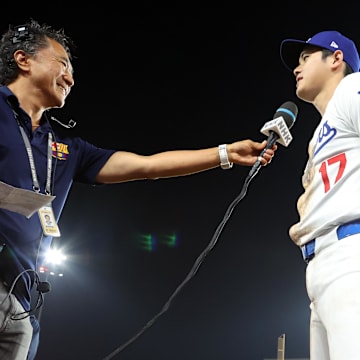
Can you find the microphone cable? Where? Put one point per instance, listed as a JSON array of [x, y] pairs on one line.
[[197, 263], [42, 287]]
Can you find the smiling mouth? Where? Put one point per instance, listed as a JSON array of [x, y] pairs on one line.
[[63, 90]]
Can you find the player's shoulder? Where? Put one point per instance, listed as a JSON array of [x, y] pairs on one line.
[[352, 78], [349, 83]]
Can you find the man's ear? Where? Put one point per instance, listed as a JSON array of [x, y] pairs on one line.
[[338, 57], [22, 60]]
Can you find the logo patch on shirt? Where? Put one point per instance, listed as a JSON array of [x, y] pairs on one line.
[[325, 135], [60, 151]]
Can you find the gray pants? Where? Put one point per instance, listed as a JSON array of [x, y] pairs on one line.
[[15, 335]]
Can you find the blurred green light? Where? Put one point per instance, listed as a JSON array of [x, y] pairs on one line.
[[147, 242], [170, 240]]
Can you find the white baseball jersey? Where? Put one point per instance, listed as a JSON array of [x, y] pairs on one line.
[[331, 178]]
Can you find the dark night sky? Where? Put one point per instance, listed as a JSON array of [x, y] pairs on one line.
[[151, 78]]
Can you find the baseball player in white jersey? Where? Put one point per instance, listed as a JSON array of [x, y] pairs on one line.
[[326, 69]]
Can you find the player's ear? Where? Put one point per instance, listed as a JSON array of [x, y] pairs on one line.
[[337, 58]]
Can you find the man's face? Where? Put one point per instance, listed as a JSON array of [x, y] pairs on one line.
[[312, 73], [51, 73]]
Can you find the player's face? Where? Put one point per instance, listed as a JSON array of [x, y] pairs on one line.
[[311, 74]]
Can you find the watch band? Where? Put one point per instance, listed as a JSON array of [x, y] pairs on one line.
[[224, 160]]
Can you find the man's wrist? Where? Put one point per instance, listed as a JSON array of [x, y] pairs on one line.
[[224, 159]]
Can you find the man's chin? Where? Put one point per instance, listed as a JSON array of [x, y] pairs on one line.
[[58, 104]]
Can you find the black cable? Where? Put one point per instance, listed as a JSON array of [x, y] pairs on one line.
[[254, 170], [41, 287]]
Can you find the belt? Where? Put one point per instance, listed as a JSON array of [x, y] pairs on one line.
[[343, 231]]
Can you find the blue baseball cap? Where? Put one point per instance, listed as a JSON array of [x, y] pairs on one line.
[[290, 49]]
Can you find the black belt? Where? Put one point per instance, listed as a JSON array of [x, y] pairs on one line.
[[343, 231]]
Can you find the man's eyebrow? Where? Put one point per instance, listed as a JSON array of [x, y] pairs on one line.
[[309, 50]]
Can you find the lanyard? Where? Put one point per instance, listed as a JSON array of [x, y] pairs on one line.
[[36, 186]]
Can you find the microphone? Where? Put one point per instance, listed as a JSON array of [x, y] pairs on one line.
[[71, 123], [43, 287], [277, 130]]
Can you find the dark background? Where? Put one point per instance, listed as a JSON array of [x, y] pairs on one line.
[[151, 77]]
